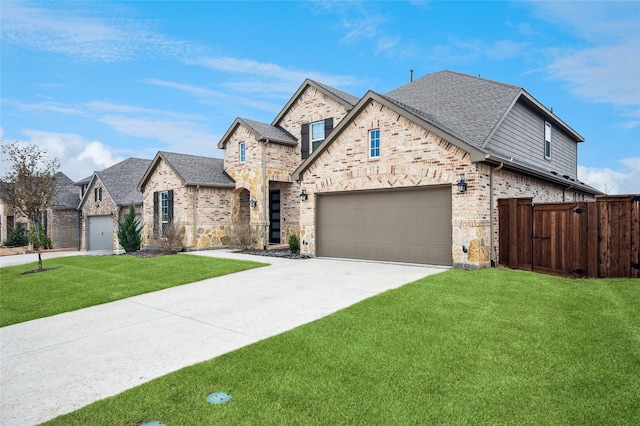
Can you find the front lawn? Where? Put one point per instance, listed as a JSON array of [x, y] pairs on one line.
[[82, 281], [485, 347]]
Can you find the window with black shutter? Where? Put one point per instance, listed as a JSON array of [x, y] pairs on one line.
[[313, 135]]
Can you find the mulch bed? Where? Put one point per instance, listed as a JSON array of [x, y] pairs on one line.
[[286, 253]]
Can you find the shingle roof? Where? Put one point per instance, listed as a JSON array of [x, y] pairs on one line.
[[121, 180], [339, 93], [471, 105], [67, 194], [267, 131], [196, 170]]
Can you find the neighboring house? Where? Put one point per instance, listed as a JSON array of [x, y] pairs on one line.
[[60, 223], [377, 177], [105, 199], [187, 191], [62, 220]]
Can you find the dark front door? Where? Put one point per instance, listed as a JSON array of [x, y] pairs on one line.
[[274, 216]]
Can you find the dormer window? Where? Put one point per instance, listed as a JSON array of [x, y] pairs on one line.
[[547, 140], [317, 134]]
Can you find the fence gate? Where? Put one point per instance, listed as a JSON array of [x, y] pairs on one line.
[[595, 239]]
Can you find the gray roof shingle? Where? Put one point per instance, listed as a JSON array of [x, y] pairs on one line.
[[121, 180], [267, 131], [197, 170], [471, 105], [67, 194], [339, 93]]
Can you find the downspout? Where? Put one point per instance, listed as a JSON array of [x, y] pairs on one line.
[[265, 193], [566, 189], [195, 215], [491, 214]]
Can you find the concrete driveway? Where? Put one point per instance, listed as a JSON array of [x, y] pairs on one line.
[[58, 364]]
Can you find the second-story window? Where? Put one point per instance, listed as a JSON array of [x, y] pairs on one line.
[[242, 152], [317, 134], [374, 143], [547, 140], [97, 194]]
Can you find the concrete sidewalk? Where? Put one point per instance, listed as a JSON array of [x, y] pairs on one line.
[[58, 364]]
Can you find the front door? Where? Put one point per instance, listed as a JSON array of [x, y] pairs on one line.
[[274, 216]]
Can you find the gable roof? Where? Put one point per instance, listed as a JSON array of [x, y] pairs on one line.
[[67, 194], [478, 106], [192, 170], [344, 98], [262, 131], [473, 106], [421, 118], [121, 181]]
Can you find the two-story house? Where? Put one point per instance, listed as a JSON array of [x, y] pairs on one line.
[[413, 175]]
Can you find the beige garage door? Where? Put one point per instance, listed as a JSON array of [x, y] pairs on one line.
[[400, 225]]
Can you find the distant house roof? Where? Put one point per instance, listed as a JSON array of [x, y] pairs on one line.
[[262, 131], [191, 169], [67, 194], [121, 181]]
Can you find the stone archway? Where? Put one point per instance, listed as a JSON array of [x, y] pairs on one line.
[[241, 210]]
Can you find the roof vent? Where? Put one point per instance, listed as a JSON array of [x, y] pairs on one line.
[[411, 73]]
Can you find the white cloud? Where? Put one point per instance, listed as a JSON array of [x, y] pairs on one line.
[[78, 157], [179, 136], [623, 181], [75, 29]]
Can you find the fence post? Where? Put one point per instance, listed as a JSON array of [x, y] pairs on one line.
[[592, 240]]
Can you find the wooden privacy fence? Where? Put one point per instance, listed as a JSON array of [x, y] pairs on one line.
[[598, 239]]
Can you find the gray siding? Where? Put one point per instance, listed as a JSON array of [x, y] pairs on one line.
[[521, 136]]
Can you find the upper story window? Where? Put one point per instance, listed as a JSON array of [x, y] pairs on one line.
[[97, 194], [317, 134], [547, 140], [374, 143], [242, 152]]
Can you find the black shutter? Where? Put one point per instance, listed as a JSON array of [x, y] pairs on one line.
[[305, 141], [156, 213], [170, 202], [328, 126]]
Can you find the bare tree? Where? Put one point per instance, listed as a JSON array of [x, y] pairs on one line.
[[29, 183]]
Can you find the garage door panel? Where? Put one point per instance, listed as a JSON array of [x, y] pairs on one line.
[[395, 225], [100, 232]]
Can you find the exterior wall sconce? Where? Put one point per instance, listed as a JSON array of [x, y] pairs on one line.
[[253, 202], [462, 185], [303, 196]]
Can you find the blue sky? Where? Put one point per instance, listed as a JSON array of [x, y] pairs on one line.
[[97, 82]]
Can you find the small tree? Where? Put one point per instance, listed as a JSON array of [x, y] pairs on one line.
[[29, 185], [294, 243], [130, 232]]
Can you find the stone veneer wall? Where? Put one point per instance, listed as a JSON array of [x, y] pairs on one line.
[[91, 207], [213, 206], [281, 161], [411, 156]]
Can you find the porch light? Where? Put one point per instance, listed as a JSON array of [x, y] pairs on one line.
[[462, 185], [253, 202], [303, 196]]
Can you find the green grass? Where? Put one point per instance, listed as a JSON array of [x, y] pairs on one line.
[[81, 281], [485, 347]]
